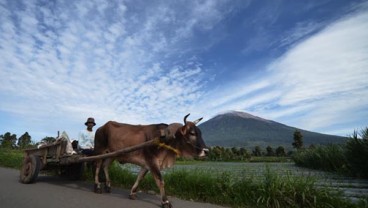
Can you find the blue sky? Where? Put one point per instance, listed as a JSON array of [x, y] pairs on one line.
[[301, 63]]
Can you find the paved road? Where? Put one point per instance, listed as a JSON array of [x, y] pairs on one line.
[[55, 192]]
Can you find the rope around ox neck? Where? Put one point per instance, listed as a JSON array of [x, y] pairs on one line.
[[161, 144]]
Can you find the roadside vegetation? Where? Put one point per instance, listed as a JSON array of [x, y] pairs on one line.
[[349, 159], [11, 158], [271, 189]]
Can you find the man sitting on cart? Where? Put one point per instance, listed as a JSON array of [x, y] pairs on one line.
[[86, 137]]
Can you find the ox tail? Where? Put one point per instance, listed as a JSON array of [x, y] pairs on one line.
[[100, 140]]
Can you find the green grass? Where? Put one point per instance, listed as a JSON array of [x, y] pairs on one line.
[[271, 190], [11, 158], [269, 159]]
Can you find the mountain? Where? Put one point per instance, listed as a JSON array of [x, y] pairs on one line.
[[239, 129]]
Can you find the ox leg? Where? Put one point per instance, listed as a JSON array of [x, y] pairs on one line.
[[106, 166], [141, 175], [161, 185], [97, 187]]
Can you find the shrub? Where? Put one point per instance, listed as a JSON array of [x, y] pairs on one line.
[[328, 158], [11, 158], [357, 154]]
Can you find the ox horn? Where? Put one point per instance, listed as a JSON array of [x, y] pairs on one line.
[[198, 120], [185, 118]]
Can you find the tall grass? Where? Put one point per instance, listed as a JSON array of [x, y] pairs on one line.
[[357, 155], [271, 190], [327, 158], [349, 158]]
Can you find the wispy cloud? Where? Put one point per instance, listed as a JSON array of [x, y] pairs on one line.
[[62, 62], [320, 82], [71, 61]]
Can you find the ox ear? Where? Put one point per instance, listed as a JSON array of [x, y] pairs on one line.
[[197, 121], [183, 130]]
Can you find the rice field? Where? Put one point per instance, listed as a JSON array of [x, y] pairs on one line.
[[351, 187]]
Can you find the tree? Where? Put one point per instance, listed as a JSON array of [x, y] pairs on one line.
[[280, 151], [244, 154], [235, 151], [48, 140], [269, 151], [298, 140], [24, 141], [257, 151], [8, 140]]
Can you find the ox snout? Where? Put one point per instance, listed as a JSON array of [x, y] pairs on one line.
[[204, 152]]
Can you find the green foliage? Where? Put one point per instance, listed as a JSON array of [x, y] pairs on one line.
[[257, 151], [350, 159], [327, 158], [271, 190], [246, 191], [298, 140], [11, 158], [280, 151], [24, 141], [228, 154], [269, 150], [357, 153], [48, 140], [218, 153], [8, 140], [268, 159], [290, 191]]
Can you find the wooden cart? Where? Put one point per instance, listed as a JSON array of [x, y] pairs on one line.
[[53, 157]]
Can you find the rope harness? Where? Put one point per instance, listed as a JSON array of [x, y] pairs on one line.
[[163, 145], [160, 142]]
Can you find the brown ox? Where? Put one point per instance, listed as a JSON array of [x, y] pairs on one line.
[[186, 140]]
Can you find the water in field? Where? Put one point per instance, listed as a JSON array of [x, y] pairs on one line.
[[352, 188]]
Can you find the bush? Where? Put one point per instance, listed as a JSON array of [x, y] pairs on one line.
[[328, 158], [350, 159], [11, 158], [357, 155]]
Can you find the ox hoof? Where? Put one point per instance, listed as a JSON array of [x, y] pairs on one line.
[[133, 196], [166, 204], [97, 189]]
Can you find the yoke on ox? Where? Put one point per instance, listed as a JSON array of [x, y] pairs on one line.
[[185, 140]]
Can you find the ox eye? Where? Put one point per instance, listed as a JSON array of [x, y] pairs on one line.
[[192, 133]]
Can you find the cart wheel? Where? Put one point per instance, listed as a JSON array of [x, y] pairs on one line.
[[30, 169]]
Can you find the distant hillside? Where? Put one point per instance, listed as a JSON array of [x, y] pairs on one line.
[[239, 129]]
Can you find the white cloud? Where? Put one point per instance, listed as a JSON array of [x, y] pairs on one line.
[[319, 84], [79, 69], [328, 70], [64, 62]]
